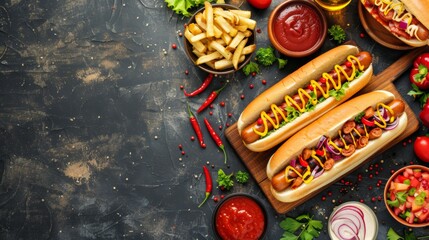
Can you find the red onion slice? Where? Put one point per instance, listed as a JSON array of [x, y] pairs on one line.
[[331, 149], [293, 162], [403, 25], [317, 173], [392, 125], [348, 223], [321, 142]]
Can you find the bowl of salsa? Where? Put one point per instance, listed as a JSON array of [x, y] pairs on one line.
[[297, 28], [240, 216], [407, 196]]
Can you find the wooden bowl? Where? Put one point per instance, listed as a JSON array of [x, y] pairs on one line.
[[293, 38], [386, 196], [207, 68]]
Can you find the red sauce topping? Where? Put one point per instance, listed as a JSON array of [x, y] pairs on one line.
[[298, 27], [240, 218]]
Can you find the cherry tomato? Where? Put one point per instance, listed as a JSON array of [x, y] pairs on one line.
[[421, 147], [260, 4]]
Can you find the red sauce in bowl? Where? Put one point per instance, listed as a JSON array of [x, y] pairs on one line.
[[298, 27], [240, 217]]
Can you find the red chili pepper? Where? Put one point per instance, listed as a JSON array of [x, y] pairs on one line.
[[303, 162], [203, 86], [209, 184], [210, 99], [196, 127], [215, 137]]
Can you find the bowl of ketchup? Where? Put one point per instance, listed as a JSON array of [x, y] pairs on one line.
[[240, 216], [297, 28]]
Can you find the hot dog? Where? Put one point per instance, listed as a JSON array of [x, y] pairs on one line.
[[335, 144], [303, 96], [406, 19]]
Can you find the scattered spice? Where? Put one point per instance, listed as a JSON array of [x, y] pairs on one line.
[[209, 184]]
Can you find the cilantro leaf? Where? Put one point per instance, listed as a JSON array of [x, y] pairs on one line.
[[224, 181], [316, 224], [250, 68], [290, 225], [392, 235], [337, 33], [302, 227], [289, 236], [242, 177]]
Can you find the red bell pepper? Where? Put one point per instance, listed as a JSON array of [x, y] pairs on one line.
[[424, 114], [419, 73]]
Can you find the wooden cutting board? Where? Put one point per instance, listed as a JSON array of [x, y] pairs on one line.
[[256, 162]]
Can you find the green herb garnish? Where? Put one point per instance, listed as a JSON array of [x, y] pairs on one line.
[[337, 33], [302, 227]]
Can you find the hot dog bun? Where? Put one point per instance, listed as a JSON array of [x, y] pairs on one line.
[[328, 125], [289, 85], [418, 9]]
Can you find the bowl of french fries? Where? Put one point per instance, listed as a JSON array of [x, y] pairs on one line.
[[220, 38]]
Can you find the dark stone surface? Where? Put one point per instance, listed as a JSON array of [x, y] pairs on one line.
[[92, 114]]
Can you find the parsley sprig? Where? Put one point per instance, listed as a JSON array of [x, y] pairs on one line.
[[266, 57], [224, 181], [337, 33], [242, 177], [302, 227]]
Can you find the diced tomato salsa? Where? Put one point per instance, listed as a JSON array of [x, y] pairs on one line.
[[408, 195]]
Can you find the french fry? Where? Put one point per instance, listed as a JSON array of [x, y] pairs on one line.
[[221, 49], [248, 49], [198, 37], [236, 40], [197, 44], [226, 38], [242, 13], [209, 57], [224, 64], [225, 25], [199, 19], [241, 28], [251, 24], [194, 28], [209, 19], [237, 53], [247, 33]]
